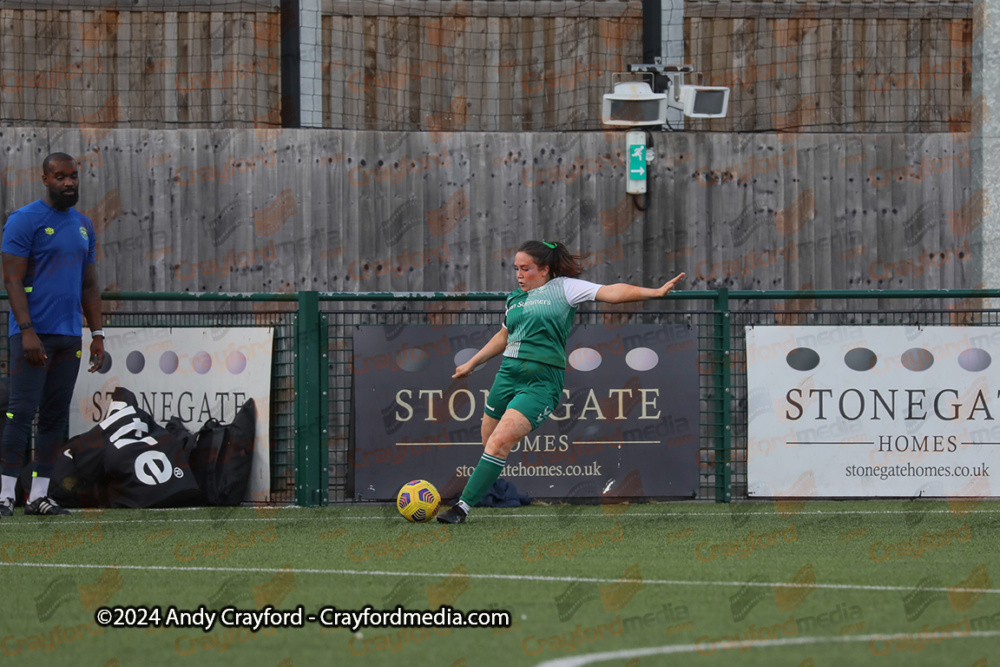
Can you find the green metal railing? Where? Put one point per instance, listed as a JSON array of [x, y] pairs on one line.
[[719, 317], [312, 383]]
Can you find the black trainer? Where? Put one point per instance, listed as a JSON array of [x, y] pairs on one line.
[[455, 515], [45, 506], [6, 507]]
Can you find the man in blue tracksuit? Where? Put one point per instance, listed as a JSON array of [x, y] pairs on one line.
[[50, 276]]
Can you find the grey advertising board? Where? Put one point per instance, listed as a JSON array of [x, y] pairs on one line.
[[627, 426]]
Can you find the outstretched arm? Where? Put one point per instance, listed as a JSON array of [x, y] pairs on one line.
[[623, 293], [495, 346]]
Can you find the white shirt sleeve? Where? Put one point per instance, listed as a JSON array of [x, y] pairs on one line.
[[577, 291]]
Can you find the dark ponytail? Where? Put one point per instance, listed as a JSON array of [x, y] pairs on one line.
[[556, 256]]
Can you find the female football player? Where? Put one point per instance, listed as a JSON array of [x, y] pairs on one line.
[[529, 384]]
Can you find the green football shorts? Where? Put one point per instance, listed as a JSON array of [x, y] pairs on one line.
[[532, 388]]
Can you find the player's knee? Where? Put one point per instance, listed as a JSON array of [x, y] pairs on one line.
[[499, 451], [500, 444]]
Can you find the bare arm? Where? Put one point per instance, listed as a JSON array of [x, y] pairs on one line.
[[495, 346], [14, 269], [90, 300], [623, 293]]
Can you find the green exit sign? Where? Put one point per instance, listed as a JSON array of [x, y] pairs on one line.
[[637, 161], [635, 142]]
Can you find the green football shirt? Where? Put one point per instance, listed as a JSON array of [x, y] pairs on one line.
[[538, 321]]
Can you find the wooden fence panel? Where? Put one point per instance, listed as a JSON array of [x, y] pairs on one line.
[[244, 210]]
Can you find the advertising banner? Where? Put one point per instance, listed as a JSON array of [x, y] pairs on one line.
[[191, 373], [865, 411], [627, 425]]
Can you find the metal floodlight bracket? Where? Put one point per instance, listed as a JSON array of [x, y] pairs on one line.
[[662, 73], [618, 77], [693, 100]]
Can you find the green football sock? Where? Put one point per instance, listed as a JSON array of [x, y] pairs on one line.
[[482, 478]]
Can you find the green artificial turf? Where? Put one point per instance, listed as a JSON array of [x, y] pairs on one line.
[[717, 584]]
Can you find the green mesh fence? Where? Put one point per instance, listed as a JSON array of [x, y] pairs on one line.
[[720, 319], [311, 448]]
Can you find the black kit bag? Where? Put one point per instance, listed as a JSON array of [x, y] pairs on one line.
[[133, 460], [222, 457]]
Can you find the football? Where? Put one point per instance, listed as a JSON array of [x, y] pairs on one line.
[[418, 501]]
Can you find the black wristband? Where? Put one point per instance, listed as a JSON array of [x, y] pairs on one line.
[[25, 326]]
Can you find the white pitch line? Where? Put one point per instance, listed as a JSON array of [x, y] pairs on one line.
[[9, 524], [506, 577], [627, 654]]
